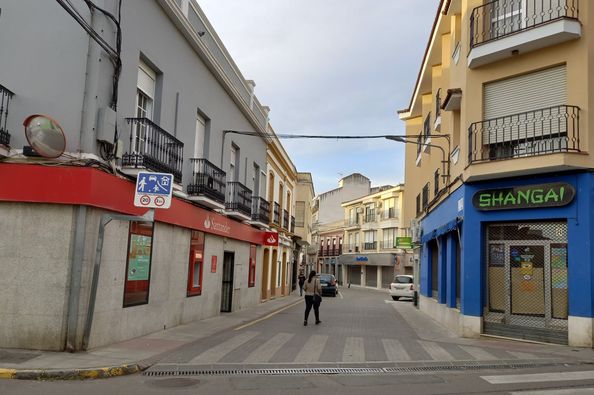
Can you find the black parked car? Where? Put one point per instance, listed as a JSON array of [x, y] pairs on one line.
[[328, 283]]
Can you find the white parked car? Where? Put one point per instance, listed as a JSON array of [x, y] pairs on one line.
[[402, 287]]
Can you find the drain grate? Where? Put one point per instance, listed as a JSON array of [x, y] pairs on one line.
[[434, 368]]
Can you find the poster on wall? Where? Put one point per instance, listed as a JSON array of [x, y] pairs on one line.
[[559, 266], [139, 261]]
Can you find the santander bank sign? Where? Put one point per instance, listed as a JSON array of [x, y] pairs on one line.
[[271, 239]]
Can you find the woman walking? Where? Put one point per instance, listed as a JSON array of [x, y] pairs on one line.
[[313, 296]]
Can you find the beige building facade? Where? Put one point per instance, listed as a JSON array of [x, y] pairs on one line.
[[375, 245]]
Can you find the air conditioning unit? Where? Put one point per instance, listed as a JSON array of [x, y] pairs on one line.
[[415, 228]]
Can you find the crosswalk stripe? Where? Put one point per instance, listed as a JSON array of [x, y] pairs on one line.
[[539, 377], [267, 350], [478, 353], [523, 355], [394, 350], [219, 351], [354, 350], [436, 352], [312, 350], [569, 391]]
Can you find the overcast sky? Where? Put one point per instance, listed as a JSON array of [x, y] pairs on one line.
[[331, 67]]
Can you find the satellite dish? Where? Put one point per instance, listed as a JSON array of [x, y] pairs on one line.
[[45, 135]]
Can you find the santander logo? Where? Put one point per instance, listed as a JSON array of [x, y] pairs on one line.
[[271, 239], [218, 226]]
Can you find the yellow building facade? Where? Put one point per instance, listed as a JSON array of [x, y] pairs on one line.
[[498, 171]]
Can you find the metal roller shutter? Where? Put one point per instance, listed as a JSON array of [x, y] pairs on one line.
[[354, 274], [387, 276], [371, 276], [545, 88]]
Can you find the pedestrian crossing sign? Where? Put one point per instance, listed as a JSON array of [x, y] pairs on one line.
[[153, 190]]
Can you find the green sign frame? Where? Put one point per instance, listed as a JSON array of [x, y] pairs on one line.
[[404, 242], [556, 194]]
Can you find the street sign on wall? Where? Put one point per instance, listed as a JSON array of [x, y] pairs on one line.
[[153, 190], [403, 242]]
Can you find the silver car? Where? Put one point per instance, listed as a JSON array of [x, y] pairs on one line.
[[402, 287]]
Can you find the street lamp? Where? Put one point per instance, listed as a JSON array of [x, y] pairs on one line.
[[445, 157]]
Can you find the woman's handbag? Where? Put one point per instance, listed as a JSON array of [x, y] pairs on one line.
[[317, 296]]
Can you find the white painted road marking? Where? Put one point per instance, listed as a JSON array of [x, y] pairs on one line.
[[478, 353], [436, 352], [570, 391], [267, 350], [539, 377], [354, 351], [217, 352], [312, 350], [394, 350]]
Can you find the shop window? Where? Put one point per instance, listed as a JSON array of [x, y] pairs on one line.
[[196, 263], [138, 264], [252, 269]]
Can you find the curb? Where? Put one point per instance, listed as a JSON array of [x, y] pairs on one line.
[[71, 374]]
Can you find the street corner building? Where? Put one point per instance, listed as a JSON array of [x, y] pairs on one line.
[[498, 173], [103, 95]]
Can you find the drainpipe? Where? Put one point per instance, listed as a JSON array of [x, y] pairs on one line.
[[90, 95], [75, 278]]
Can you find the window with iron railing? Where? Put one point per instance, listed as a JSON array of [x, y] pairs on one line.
[[5, 97], [418, 204], [436, 182], [425, 196], [427, 127], [438, 103]]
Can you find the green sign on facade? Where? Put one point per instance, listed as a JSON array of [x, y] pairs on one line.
[[526, 196], [139, 261], [404, 242]]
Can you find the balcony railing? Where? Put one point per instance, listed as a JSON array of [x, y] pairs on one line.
[[286, 219], [391, 212], [276, 214], [153, 148], [388, 244], [369, 216], [260, 210], [5, 97], [239, 198], [501, 18], [351, 222], [368, 246], [207, 180], [351, 247], [532, 133], [292, 224]]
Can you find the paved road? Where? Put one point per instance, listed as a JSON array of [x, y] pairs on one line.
[[358, 326]]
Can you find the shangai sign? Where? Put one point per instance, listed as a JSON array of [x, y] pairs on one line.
[[153, 190], [526, 196]]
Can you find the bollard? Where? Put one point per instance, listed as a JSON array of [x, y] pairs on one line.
[[415, 299]]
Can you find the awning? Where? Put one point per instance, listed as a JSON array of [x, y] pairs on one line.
[[442, 230]]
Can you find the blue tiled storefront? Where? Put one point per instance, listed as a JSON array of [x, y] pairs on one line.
[[466, 269]]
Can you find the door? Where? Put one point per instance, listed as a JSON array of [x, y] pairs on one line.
[[227, 283], [527, 281]]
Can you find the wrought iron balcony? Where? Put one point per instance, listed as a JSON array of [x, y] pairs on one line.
[[153, 148], [207, 180], [260, 210], [502, 18], [388, 244], [391, 212], [538, 132], [351, 247], [276, 214], [5, 97], [350, 222], [285, 219], [369, 216], [292, 224], [368, 246], [239, 198]]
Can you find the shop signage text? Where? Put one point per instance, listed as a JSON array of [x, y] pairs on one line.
[[527, 196], [361, 259], [403, 242]]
